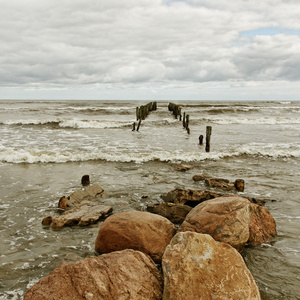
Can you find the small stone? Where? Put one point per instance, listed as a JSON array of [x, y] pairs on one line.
[[85, 180]]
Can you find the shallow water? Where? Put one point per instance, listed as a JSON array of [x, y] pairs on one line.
[[47, 146]]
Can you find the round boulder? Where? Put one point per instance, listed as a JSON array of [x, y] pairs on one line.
[[136, 230], [109, 276], [195, 266], [262, 226], [226, 219]]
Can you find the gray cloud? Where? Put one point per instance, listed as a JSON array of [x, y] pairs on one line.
[[146, 43]]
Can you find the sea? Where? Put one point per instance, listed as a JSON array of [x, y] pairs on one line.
[[47, 146]]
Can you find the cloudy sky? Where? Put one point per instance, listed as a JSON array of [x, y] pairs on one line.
[[150, 49]]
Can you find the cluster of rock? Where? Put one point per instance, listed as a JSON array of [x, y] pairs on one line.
[[82, 211], [143, 255]]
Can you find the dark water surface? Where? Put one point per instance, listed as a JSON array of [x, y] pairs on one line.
[[47, 146]]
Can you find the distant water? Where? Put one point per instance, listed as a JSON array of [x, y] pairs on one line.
[[46, 146]]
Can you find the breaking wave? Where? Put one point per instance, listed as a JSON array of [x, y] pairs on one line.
[[269, 151]]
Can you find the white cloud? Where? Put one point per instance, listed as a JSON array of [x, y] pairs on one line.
[[145, 45]]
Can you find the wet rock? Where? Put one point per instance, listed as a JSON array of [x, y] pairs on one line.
[[197, 267], [176, 213], [62, 203], [183, 167], [84, 214], [198, 177], [137, 230], [239, 185], [47, 221], [262, 226], [195, 197], [125, 274], [220, 183], [91, 192], [226, 219], [85, 180], [189, 197]]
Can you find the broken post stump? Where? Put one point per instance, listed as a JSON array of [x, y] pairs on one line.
[[208, 134], [201, 139]]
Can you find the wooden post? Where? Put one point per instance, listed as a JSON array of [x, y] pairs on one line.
[[201, 139], [183, 121], [139, 124], [137, 112], [208, 134], [133, 126], [187, 121]]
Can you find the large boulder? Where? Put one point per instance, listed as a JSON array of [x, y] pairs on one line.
[[86, 213], [226, 219], [197, 267], [137, 230], [125, 274], [262, 226]]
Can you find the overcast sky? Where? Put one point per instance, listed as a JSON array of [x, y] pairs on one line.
[[150, 49]]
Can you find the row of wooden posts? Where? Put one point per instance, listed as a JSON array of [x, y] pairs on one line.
[[176, 110], [142, 113]]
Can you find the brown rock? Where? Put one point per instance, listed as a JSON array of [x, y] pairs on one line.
[[189, 197], [82, 215], [198, 177], [197, 267], [183, 167], [220, 183], [239, 185], [62, 202], [125, 274], [262, 226], [47, 221], [91, 192], [176, 213], [226, 219], [137, 230]]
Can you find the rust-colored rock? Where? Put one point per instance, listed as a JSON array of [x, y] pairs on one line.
[[176, 213], [137, 230], [47, 221], [84, 214], [125, 274], [239, 185], [197, 267], [226, 219], [262, 226], [62, 203]]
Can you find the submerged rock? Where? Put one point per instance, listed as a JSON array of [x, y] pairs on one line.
[[137, 230], [226, 219], [176, 213], [220, 183], [197, 267], [262, 226], [124, 274], [183, 167], [83, 214]]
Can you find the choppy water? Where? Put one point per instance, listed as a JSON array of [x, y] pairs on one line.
[[46, 146]]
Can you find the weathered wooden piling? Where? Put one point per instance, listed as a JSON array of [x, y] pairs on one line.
[[143, 111], [208, 134], [201, 139], [133, 126]]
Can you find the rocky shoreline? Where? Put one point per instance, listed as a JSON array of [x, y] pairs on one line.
[[187, 246]]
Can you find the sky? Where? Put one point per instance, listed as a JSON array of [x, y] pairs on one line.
[[150, 49]]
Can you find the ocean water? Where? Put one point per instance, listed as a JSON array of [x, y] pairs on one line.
[[46, 147]]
